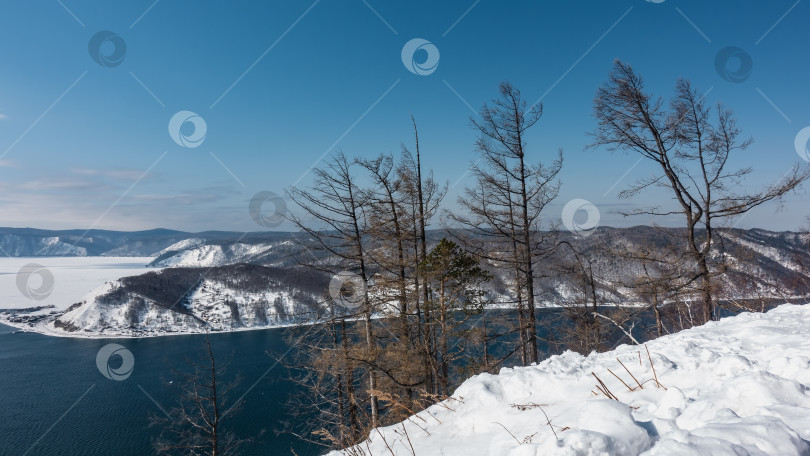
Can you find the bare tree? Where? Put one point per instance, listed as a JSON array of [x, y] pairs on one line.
[[373, 231], [510, 194], [423, 195], [389, 228], [692, 150], [393, 251], [582, 308], [337, 225], [326, 363], [660, 279], [195, 425]]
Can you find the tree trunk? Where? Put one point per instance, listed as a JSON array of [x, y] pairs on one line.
[[443, 337], [524, 203], [706, 292], [422, 238], [372, 347], [354, 423], [214, 402]]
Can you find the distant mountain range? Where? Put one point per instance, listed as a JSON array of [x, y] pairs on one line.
[[31, 242], [225, 281]]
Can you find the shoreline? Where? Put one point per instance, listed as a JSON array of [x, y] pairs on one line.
[[43, 329]]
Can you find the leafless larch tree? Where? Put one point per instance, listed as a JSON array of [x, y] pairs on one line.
[[504, 206], [693, 148]]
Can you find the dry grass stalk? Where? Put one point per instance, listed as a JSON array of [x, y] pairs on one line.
[[602, 391], [619, 378], [510, 432], [548, 420], [604, 388], [628, 370], [385, 441], [653, 369]]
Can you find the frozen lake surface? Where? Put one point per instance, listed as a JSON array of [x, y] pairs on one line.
[[73, 277]]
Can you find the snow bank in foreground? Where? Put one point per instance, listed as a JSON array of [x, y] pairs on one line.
[[735, 387]]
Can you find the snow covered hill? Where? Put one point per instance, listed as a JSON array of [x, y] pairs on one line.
[[42, 246], [762, 264], [195, 253], [212, 306], [184, 300], [764, 267], [740, 386]]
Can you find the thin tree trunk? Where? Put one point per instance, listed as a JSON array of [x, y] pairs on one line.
[[443, 337], [521, 318], [422, 235], [658, 323], [339, 390], [532, 336], [518, 289], [403, 302], [706, 291], [354, 423], [372, 347], [214, 401], [486, 339]]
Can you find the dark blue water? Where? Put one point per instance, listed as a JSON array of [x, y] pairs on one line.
[[54, 400]]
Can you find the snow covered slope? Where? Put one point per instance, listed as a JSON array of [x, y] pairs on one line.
[[42, 246], [194, 253], [740, 386], [763, 264], [212, 306], [184, 300]]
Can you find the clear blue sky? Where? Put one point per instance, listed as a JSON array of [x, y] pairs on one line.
[[82, 161]]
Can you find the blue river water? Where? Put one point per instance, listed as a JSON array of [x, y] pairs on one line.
[[55, 401]]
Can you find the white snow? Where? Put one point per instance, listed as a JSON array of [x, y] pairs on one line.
[[11, 244], [740, 386], [138, 316], [208, 255], [769, 252], [181, 245], [73, 278]]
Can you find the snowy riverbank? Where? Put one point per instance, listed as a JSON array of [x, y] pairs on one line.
[[734, 387]]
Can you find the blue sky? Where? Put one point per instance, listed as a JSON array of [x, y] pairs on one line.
[[280, 83]]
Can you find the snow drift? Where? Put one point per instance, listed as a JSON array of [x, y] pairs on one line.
[[735, 387]]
